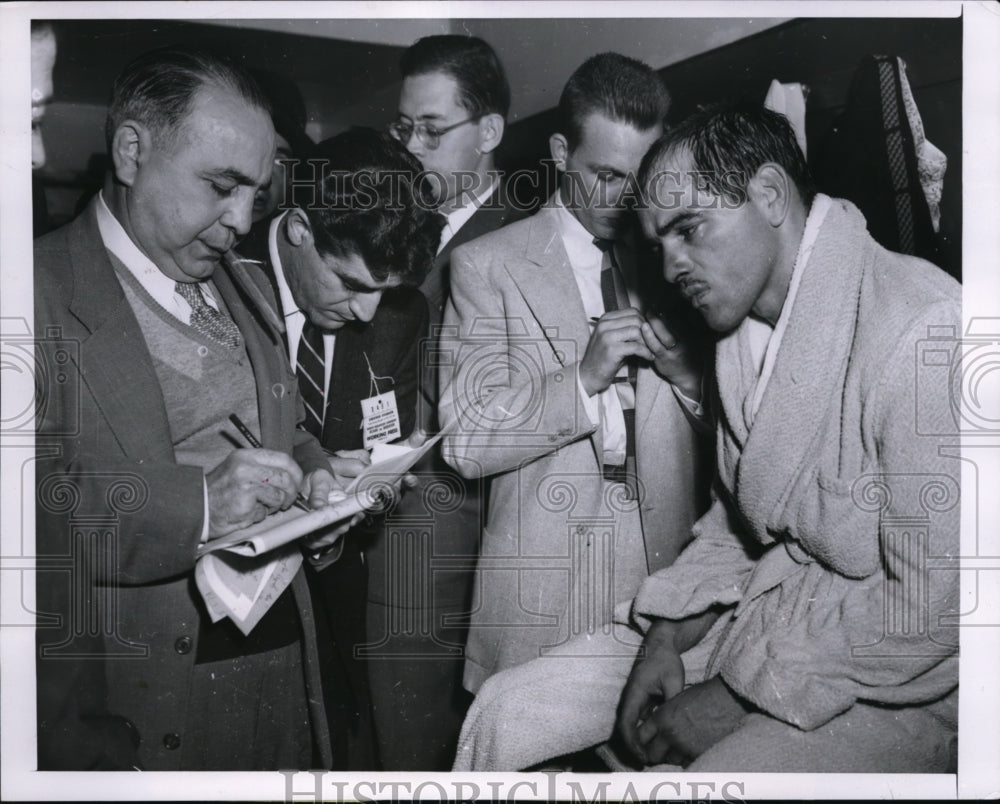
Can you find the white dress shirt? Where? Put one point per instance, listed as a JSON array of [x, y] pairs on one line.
[[295, 319], [586, 260], [156, 283], [457, 218]]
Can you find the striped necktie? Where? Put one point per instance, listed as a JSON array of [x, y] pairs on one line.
[[213, 324], [615, 298], [309, 369]]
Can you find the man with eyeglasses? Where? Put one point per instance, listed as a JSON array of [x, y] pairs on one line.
[[452, 110]]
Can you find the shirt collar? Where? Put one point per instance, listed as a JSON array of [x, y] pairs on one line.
[[457, 218], [579, 243], [117, 241], [288, 305]]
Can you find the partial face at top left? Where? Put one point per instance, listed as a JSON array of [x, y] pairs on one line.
[[190, 192], [43, 60]]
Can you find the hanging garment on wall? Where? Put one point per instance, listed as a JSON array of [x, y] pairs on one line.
[[869, 157], [931, 161], [790, 100]]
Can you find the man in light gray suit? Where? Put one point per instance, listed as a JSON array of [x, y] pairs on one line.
[[560, 384]]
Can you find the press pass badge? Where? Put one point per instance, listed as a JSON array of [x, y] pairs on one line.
[[379, 413], [380, 419]]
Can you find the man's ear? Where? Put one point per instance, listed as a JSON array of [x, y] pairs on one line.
[[559, 149], [130, 148], [297, 229], [771, 190], [491, 128]]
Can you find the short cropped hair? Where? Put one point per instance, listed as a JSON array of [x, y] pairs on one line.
[[473, 64], [728, 143], [157, 88], [375, 203], [616, 86]]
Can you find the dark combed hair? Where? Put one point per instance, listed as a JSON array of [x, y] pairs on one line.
[[482, 83], [616, 86], [728, 143], [157, 88], [374, 203]]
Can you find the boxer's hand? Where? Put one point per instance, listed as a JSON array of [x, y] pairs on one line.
[[672, 359]]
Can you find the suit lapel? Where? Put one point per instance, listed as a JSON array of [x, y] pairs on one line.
[[115, 363], [262, 344], [493, 214], [345, 375], [544, 278]]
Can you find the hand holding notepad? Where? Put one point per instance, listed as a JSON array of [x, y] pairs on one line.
[[390, 462], [241, 574]]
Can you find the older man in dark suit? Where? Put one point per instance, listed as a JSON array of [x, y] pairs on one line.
[[169, 337]]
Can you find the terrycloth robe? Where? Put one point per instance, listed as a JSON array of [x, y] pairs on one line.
[[834, 534], [832, 540]]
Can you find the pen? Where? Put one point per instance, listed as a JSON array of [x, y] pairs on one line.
[[300, 501]]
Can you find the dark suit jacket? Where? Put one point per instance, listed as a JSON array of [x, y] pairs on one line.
[[391, 342], [106, 451], [497, 211]]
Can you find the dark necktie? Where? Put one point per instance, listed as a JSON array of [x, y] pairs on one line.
[[615, 298], [309, 369], [211, 323]]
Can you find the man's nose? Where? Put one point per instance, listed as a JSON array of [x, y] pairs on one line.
[[364, 305], [238, 215], [675, 263]]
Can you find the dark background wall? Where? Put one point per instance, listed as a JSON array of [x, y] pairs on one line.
[[823, 54], [347, 71]]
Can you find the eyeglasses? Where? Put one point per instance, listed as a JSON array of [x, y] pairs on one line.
[[429, 135]]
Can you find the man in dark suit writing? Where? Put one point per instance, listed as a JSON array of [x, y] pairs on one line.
[[169, 338]]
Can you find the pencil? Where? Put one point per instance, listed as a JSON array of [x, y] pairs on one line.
[[300, 501]]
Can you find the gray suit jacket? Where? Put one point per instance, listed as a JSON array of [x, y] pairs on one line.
[[516, 330], [110, 440]]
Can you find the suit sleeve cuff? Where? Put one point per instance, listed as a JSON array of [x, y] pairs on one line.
[[694, 408]]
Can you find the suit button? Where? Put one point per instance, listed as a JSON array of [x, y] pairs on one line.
[[183, 645], [580, 530], [171, 741]]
